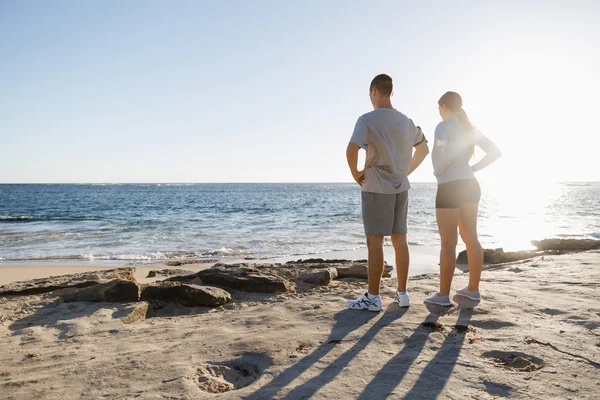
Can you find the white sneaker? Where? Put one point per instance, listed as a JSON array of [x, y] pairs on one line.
[[435, 298], [366, 302], [402, 299], [465, 292]]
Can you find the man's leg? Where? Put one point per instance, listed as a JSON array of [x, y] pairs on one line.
[[402, 260], [376, 211], [375, 248], [399, 239]]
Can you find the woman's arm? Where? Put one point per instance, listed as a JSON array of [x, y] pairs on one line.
[[492, 152], [438, 154]]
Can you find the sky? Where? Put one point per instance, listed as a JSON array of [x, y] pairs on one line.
[[269, 91]]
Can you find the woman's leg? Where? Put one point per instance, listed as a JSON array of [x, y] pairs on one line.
[[467, 225], [447, 220]]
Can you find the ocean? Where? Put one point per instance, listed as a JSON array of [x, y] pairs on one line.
[[156, 222]]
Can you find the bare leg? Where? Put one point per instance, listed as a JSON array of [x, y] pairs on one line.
[[402, 260], [375, 247], [467, 225], [447, 220]]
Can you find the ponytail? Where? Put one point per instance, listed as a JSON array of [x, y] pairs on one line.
[[464, 119]]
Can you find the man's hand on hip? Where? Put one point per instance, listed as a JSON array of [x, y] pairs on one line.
[[359, 177]]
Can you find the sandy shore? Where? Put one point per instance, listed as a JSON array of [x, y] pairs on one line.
[[424, 259], [536, 335], [25, 272]]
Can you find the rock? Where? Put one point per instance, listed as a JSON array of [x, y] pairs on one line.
[[168, 272], [80, 280], [176, 263], [321, 278], [318, 261], [567, 244], [188, 295], [240, 277], [117, 291], [360, 271], [140, 313], [498, 256]]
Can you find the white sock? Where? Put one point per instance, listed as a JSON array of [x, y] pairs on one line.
[[400, 292], [373, 295]]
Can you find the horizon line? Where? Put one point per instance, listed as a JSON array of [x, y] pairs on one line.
[[221, 183]]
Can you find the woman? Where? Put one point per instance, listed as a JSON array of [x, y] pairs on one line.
[[458, 194]]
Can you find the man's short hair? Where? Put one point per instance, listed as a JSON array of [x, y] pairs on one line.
[[383, 84]]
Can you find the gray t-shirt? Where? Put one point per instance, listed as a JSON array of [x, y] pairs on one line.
[[453, 149], [388, 136]]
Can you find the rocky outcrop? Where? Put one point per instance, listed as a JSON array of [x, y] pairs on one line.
[[321, 261], [117, 291], [188, 295], [168, 272], [567, 244], [175, 263], [80, 280], [240, 277], [498, 256], [320, 278], [544, 247], [360, 271]]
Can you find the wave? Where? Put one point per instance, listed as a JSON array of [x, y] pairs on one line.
[[592, 235], [224, 251], [39, 237], [37, 218], [148, 256]]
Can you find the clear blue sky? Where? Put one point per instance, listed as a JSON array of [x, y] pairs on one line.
[[269, 91]]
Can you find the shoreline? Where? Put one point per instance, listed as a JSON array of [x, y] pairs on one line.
[[424, 260]]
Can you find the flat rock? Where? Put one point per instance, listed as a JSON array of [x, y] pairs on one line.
[[188, 295], [319, 261], [245, 278], [240, 277], [498, 256], [567, 244], [80, 280], [361, 271], [117, 291], [321, 278], [140, 313], [175, 263], [168, 272]]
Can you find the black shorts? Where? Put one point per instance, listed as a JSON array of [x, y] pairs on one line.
[[455, 193]]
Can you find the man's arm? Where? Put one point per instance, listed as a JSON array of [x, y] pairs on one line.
[[421, 151], [352, 157]]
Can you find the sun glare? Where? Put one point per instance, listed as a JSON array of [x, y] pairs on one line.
[[520, 213]]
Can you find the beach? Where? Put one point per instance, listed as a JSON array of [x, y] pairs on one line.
[[536, 334], [195, 199]]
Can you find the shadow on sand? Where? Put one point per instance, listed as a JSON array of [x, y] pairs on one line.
[[432, 380], [347, 321]]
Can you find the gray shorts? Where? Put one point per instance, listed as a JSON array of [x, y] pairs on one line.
[[384, 214]]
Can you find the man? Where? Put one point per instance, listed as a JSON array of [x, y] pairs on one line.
[[388, 136]]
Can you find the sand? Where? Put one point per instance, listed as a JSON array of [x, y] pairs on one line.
[[535, 335]]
